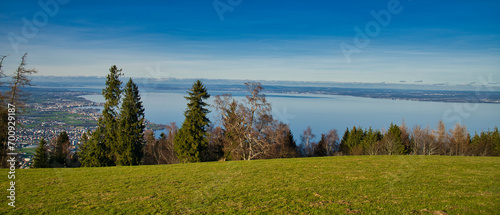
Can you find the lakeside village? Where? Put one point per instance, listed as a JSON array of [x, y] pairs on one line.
[[50, 113]]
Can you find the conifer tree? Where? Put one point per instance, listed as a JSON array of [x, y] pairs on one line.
[[100, 150], [131, 127], [58, 156], [370, 142], [109, 124], [41, 159], [344, 148], [392, 141], [93, 152], [351, 141], [291, 145], [320, 149], [192, 141], [495, 142]]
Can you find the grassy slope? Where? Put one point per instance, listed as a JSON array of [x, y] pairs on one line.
[[29, 151], [332, 185]]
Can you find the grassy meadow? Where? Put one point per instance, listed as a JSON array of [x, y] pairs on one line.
[[28, 151], [328, 185]]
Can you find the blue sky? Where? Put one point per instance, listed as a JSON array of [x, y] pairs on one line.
[[455, 42]]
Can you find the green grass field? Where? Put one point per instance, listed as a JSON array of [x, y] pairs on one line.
[[68, 118], [329, 185], [28, 151]]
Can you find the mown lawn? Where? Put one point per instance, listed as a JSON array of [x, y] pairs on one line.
[[330, 185]]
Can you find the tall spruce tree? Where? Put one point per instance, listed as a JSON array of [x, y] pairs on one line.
[[131, 127], [112, 94], [192, 141], [100, 150], [41, 159], [392, 141]]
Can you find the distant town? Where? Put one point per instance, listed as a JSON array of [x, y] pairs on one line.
[[49, 112], [53, 112]]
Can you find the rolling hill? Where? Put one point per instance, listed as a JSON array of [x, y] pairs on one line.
[[327, 185]]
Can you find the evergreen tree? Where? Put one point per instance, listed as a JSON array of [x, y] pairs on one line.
[[392, 142], [352, 141], [343, 143], [100, 150], [131, 127], [93, 152], [405, 138], [320, 149], [486, 144], [495, 139], [192, 139], [291, 145], [84, 139], [60, 151], [41, 159], [109, 124], [370, 142]]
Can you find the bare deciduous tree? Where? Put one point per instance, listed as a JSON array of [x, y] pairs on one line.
[[161, 151], [307, 142], [459, 140], [245, 124], [2, 74], [332, 142], [389, 144], [441, 139], [423, 142], [20, 79], [233, 122]]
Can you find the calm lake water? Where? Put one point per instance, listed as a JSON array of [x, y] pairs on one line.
[[325, 112]]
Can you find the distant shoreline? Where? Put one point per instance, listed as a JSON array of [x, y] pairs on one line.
[[393, 91], [390, 94]]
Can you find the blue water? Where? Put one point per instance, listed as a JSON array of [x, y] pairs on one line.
[[325, 112]]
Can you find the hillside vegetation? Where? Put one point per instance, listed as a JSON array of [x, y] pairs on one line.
[[327, 185]]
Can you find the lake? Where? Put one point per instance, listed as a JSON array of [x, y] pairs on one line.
[[326, 112]]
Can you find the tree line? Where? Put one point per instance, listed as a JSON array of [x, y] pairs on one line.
[[243, 130], [400, 140]]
